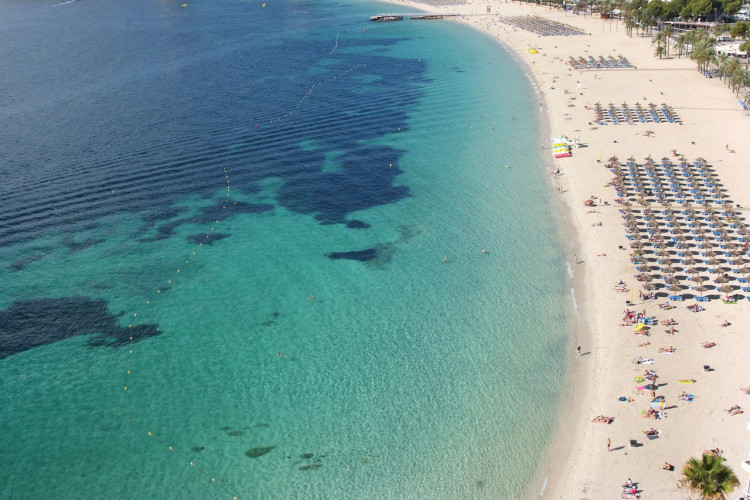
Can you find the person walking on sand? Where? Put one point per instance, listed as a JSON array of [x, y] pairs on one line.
[[609, 443], [578, 351]]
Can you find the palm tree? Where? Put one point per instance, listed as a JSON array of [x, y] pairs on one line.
[[658, 40], [704, 53], [740, 78], [668, 31], [629, 25], [745, 47], [659, 51], [709, 477], [723, 60], [681, 44], [730, 68]]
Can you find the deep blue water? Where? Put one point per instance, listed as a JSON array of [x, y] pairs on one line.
[[82, 109], [179, 182]]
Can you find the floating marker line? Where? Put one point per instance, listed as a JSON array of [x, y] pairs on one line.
[[126, 390]]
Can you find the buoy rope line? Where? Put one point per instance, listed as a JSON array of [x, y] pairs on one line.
[[310, 91], [320, 83], [335, 46], [145, 430]]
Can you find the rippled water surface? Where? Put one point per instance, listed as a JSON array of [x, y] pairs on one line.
[[241, 255]]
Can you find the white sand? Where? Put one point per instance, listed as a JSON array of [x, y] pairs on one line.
[[579, 465]]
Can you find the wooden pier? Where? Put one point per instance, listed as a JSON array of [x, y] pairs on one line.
[[384, 18], [415, 17]]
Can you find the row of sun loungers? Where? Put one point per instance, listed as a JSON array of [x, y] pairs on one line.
[[542, 26], [703, 247], [602, 63], [625, 114]]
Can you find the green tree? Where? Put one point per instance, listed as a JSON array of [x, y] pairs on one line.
[[722, 28], [673, 8], [729, 68], [731, 7], [709, 477], [704, 53], [629, 25], [606, 6], [659, 51], [681, 44], [656, 9], [701, 8], [658, 40], [740, 29], [740, 79], [722, 60], [668, 31]]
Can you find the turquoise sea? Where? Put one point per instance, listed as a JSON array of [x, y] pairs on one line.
[[240, 214]]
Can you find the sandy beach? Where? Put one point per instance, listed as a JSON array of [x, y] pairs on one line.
[[590, 459]]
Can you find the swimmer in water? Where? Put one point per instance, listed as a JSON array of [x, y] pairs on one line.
[[280, 355]]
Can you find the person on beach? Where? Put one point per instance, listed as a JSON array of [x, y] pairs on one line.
[[578, 351], [609, 443]]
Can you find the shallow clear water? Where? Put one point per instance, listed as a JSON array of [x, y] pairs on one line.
[[140, 200]]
